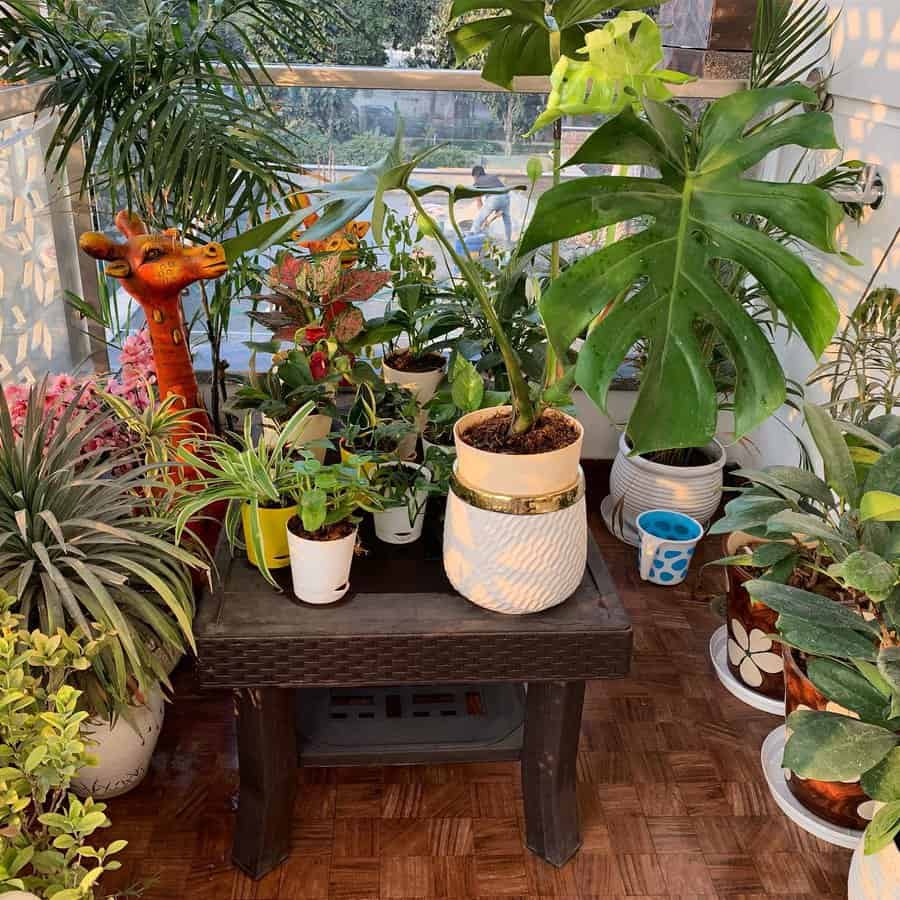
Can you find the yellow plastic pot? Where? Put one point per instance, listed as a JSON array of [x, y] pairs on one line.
[[368, 468], [273, 531]]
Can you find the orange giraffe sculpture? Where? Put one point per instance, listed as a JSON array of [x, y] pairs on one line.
[[155, 269]]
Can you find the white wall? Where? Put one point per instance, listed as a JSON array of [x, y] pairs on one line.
[[866, 90]]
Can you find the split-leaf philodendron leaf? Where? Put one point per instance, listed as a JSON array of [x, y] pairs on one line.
[[622, 66], [517, 41], [697, 212]]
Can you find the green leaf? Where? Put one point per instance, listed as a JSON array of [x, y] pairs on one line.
[[883, 828], [699, 210], [889, 666], [885, 473], [883, 781], [866, 572], [845, 685], [829, 439], [805, 524], [623, 62], [822, 640], [766, 555], [313, 509], [812, 608], [803, 482], [831, 747], [879, 506], [466, 385]]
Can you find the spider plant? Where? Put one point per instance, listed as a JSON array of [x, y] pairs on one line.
[[81, 544], [242, 472]]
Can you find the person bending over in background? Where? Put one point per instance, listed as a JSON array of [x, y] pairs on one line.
[[492, 204]]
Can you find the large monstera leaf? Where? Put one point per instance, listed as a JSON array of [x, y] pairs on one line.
[[518, 40], [700, 209]]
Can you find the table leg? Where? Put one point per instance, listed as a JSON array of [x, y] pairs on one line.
[[267, 753], [549, 754]]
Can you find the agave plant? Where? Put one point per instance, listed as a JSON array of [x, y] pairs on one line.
[[80, 544]]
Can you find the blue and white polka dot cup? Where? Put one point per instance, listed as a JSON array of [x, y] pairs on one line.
[[668, 542]]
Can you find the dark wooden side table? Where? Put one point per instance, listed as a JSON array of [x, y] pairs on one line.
[[402, 624]]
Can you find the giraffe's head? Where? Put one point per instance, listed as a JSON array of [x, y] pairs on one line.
[[153, 267]]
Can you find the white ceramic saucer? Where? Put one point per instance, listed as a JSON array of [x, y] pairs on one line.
[[771, 754]]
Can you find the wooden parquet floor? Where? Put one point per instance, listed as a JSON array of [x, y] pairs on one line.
[[673, 801]]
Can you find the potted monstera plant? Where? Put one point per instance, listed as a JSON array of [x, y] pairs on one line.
[[666, 284]]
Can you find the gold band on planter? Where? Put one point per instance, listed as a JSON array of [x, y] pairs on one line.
[[518, 506]]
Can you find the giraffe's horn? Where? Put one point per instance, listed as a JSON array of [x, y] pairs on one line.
[[130, 224]]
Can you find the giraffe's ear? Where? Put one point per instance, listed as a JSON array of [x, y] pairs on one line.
[[99, 246], [130, 224], [118, 268]]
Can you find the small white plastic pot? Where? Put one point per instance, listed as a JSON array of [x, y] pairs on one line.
[[875, 877], [320, 570], [392, 525], [428, 445], [520, 475], [423, 385], [123, 750]]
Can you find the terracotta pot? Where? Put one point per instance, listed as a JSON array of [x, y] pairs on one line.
[[875, 877], [841, 803], [642, 484], [320, 570], [522, 475], [123, 750], [753, 658], [423, 385]]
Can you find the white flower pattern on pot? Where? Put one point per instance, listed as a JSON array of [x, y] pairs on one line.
[[839, 710], [752, 654], [867, 809]]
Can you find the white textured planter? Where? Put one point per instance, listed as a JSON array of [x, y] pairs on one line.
[[515, 564], [423, 385], [875, 877], [392, 525], [19, 895], [123, 750], [643, 485], [519, 475], [314, 428], [320, 570]]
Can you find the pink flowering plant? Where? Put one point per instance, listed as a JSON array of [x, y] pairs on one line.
[[132, 384]]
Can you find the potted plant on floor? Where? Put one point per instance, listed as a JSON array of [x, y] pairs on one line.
[[252, 477], [852, 737], [404, 488], [85, 544], [663, 282], [44, 829], [295, 379], [322, 535], [785, 525]]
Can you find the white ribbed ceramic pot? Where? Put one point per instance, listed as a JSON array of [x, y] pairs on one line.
[[423, 385], [875, 877], [515, 564], [320, 570], [123, 750], [515, 475], [642, 485], [314, 428]]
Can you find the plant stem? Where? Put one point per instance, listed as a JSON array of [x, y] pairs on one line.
[[523, 414]]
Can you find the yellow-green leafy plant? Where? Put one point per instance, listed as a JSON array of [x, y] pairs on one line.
[[44, 829]]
